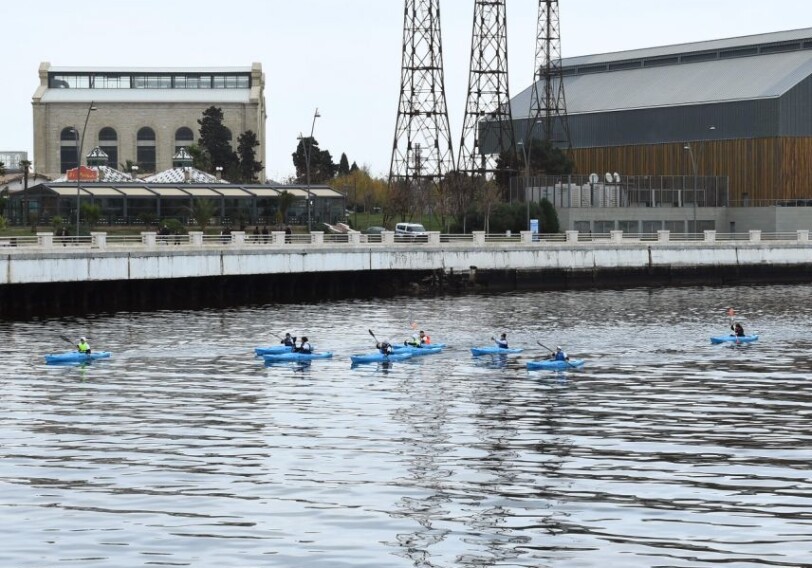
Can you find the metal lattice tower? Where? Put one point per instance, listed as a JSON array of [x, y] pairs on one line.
[[487, 128], [548, 106], [422, 148]]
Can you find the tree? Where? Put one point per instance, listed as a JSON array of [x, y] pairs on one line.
[[200, 158], [25, 165], [353, 167], [285, 201], [214, 141], [343, 165], [92, 213], [249, 167], [322, 168], [549, 218], [544, 159], [490, 195], [203, 210], [2, 169]]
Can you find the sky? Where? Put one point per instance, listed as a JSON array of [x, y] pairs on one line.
[[340, 56]]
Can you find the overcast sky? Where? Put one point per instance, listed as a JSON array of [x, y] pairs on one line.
[[342, 56]]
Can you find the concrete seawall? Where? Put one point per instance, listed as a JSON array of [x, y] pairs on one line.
[[42, 281]]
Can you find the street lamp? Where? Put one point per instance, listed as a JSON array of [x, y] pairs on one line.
[[134, 172], [308, 147], [520, 144], [693, 165], [80, 141]]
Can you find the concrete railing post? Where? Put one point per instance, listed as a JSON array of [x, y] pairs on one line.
[[755, 236], [803, 236], [45, 240], [388, 237], [238, 238], [663, 236], [616, 236], [354, 238], [196, 238], [572, 236], [434, 238], [278, 238], [526, 237], [98, 240], [479, 238], [148, 238], [710, 236], [317, 238]]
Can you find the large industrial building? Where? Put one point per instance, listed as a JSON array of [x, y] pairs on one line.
[[737, 110], [141, 115]]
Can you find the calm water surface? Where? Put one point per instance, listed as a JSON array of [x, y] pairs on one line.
[[185, 450]]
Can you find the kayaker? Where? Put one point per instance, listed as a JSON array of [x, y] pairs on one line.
[[304, 346], [288, 340], [385, 347], [738, 330], [413, 341], [502, 342], [83, 346], [424, 338], [559, 355]]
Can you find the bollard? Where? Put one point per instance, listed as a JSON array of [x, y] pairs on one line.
[[196, 238], [148, 238], [45, 240], [98, 240], [663, 236]]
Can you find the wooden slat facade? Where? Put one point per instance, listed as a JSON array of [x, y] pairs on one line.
[[760, 170]]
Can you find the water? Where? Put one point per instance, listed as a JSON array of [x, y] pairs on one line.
[[184, 450]]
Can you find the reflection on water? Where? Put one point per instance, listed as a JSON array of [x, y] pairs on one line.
[[185, 450]]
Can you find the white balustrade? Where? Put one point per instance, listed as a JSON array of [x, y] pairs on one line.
[[755, 236], [710, 236], [663, 236], [478, 238], [572, 236], [148, 238], [98, 240], [196, 238], [45, 240]]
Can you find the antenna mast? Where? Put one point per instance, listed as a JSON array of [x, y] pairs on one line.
[[487, 129], [548, 106], [422, 148]]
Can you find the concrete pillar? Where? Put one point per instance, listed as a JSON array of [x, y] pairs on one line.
[[196, 238], [479, 238], [755, 236], [47, 240], [434, 238], [354, 238], [526, 237], [388, 237], [278, 238], [616, 236], [238, 238], [98, 240], [572, 236], [148, 238], [803, 236], [663, 236], [317, 238], [710, 236]]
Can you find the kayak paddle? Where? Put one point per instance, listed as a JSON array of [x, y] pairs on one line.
[[551, 351]]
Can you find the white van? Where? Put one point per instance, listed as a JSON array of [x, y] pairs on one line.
[[410, 232]]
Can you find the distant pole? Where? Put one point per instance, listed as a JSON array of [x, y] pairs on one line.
[[81, 143], [308, 148]]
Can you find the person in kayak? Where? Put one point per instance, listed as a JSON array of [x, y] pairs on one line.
[[738, 330], [385, 347], [502, 342], [424, 338], [288, 340], [413, 341], [83, 346], [304, 346], [559, 355]]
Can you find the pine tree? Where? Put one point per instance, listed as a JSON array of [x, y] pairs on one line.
[[214, 141], [249, 167], [343, 165]]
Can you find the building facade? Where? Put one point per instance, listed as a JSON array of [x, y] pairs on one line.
[[140, 115]]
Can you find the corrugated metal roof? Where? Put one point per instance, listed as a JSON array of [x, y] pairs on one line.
[[726, 43], [745, 78]]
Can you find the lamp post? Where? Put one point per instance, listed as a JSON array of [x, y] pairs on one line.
[[693, 165], [134, 172], [308, 147], [520, 144], [80, 141]]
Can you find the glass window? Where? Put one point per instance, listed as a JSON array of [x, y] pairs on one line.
[[112, 155], [231, 82], [68, 134], [164, 82], [219, 82], [146, 158], [146, 133], [108, 134], [180, 81], [630, 227], [243, 82], [204, 82]]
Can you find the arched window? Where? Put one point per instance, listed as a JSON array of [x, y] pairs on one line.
[[145, 154], [68, 149], [184, 137], [108, 141]]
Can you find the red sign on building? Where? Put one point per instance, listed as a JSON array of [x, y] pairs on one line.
[[85, 174]]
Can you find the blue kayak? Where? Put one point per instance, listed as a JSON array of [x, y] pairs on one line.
[[551, 365], [425, 346], [379, 357], [493, 350], [273, 349], [419, 351], [279, 357], [76, 357], [734, 339]]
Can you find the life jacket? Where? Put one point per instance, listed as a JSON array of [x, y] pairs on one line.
[[305, 347], [83, 347], [289, 341], [425, 340]]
